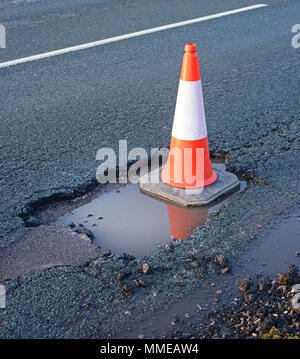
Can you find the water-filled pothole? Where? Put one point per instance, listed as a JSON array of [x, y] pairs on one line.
[[127, 221]]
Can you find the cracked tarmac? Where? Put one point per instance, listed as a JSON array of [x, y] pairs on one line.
[[59, 112]]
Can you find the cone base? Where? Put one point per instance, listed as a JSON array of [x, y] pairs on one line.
[[225, 183]]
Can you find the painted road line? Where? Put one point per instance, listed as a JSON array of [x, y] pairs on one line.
[[126, 36]]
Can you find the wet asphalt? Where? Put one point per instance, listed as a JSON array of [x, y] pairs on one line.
[[56, 113]]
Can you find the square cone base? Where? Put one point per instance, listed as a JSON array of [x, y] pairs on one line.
[[226, 182]]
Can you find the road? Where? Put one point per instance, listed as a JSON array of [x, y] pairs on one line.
[[57, 112]]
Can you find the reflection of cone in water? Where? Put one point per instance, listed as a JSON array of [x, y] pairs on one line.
[[189, 164], [183, 221]]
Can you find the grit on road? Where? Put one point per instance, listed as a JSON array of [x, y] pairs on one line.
[[58, 111]]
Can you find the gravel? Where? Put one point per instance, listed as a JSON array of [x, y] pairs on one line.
[[265, 309]]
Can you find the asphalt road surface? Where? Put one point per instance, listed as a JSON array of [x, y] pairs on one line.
[[57, 112]]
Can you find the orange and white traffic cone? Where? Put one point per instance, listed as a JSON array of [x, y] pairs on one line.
[[189, 164], [183, 221]]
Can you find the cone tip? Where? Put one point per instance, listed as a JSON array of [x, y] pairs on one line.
[[190, 48]]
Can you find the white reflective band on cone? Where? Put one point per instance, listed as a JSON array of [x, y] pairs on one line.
[[189, 119]]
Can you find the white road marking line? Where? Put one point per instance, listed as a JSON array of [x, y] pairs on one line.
[[126, 36]]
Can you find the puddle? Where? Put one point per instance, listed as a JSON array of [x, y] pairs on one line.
[[273, 251], [127, 221]]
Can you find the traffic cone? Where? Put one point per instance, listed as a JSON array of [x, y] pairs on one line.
[[189, 164], [184, 221]]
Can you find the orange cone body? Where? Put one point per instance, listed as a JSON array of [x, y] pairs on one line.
[[183, 221], [189, 164]]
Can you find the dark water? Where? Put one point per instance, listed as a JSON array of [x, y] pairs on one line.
[[129, 221], [274, 249]]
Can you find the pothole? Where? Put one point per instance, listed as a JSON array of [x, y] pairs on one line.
[[127, 221], [273, 251]]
